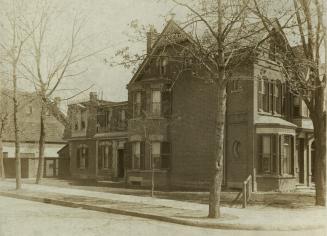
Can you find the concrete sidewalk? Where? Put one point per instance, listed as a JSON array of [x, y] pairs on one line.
[[187, 213]]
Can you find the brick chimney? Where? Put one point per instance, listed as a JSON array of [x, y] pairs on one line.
[[151, 36], [93, 96]]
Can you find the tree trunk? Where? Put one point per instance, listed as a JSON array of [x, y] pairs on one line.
[[2, 167], [16, 131], [319, 123], [215, 189], [40, 168]]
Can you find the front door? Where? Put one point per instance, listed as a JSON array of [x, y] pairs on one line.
[[121, 168]]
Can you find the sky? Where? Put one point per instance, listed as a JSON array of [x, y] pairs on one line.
[[107, 24]]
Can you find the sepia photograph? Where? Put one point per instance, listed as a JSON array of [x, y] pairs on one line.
[[163, 117]]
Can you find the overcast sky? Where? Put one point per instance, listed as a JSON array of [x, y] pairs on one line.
[[107, 21]]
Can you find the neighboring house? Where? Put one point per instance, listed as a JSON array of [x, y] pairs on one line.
[[171, 117], [96, 138], [29, 131]]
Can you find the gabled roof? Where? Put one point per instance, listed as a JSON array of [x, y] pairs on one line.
[[29, 125], [171, 27]]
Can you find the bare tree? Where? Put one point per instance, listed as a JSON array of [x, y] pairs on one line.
[[305, 73], [13, 47], [48, 72], [3, 125]]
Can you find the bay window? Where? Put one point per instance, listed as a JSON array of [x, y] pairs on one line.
[[275, 154], [267, 152]]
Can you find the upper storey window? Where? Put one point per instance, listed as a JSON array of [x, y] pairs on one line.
[[271, 96], [162, 63], [137, 104], [156, 102]]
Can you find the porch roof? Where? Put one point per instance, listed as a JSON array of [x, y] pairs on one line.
[[262, 120]]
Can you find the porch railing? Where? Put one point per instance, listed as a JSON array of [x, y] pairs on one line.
[[248, 188]]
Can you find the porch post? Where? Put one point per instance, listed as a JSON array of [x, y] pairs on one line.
[[96, 158]]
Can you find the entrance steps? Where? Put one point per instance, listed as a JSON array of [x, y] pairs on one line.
[[305, 188]]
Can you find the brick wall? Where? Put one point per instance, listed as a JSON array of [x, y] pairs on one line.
[[192, 131]]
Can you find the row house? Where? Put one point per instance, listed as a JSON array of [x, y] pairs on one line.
[[165, 132], [97, 137]]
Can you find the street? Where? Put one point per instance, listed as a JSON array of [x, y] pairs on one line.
[[21, 217]]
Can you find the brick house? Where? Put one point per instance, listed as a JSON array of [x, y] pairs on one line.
[[96, 138], [170, 133], [29, 127], [268, 130]]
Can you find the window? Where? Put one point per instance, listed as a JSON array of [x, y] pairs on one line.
[[271, 97], [123, 115], [108, 115], [277, 97], [155, 155], [105, 155], [267, 153], [156, 102], [83, 120], [296, 106], [287, 154], [235, 85], [261, 92], [137, 104], [162, 63], [136, 155], [82, 157]]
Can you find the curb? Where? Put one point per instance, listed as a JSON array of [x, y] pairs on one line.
[[175, 220]]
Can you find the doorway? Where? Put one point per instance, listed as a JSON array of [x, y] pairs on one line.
[[120, 163]]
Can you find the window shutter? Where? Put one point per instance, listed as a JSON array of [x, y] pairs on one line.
[[100, 156], [166, 103], [143, 102], [86, 158], [142, 155], [78, 160], [165, 155], [128, 155]]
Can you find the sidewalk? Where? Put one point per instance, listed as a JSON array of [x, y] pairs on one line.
[[187, 213]]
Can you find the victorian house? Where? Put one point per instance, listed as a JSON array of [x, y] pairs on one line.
[[165, 133]]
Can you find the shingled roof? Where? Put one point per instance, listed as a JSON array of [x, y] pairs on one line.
[[29, 119]]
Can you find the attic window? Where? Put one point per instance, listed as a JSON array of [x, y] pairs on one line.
[[162, 63]]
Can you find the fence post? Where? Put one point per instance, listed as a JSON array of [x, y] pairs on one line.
[[254, 180], [244, 194]]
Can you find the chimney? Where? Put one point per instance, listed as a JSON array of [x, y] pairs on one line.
[[151, 36], [93, 96]]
